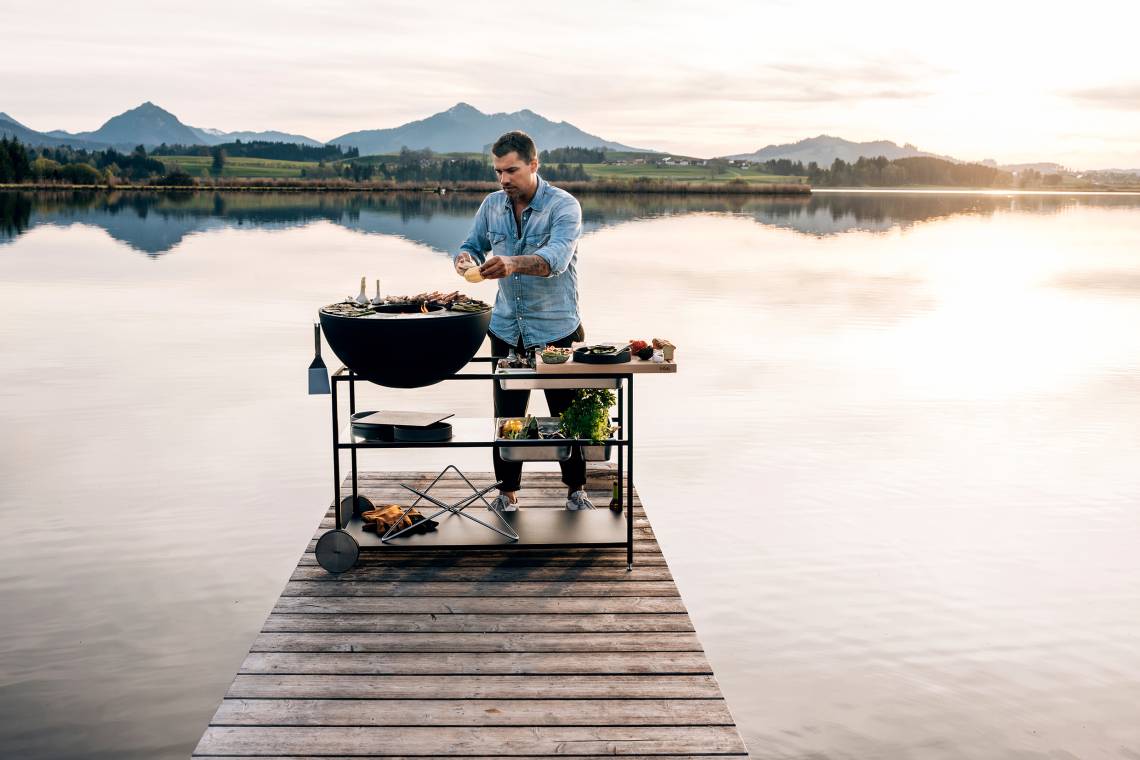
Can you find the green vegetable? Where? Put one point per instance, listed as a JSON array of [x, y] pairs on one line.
[[588, 416]]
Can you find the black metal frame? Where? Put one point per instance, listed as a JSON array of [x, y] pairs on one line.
[[623, 441]]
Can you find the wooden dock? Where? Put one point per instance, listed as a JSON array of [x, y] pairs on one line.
[[523, 653]]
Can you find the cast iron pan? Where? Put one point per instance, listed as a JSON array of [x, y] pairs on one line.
[[370, 430], [438, 431], [621, 357]]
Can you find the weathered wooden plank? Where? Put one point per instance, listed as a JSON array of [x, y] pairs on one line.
[[477, 757], [674, 641], [602, 623], [513, 558], [478, 588], [490, 605], [508, 572], [462, 740], [484, 712], [641, 525], [473, 687], [520, 653], [640, 546], [640, 532], [486, 663]]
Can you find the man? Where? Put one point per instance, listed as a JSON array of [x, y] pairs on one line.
[[531, 230]]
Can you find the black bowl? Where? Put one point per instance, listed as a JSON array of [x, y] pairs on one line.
[[403, 348], [371, 429], [437, 431]]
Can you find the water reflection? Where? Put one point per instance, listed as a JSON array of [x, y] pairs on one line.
[[155, 223], [895, 477]]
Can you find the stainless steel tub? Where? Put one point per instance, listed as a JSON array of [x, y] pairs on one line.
[[597, 452], [553, 452]]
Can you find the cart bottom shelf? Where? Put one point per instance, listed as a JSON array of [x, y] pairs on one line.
[[537, 529]]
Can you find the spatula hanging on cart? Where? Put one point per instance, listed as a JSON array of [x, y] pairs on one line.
[[318, 372]]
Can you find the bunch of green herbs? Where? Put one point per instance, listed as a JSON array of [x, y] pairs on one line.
[[588, 416]]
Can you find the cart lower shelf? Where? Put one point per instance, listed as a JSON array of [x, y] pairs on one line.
[[539, 528]]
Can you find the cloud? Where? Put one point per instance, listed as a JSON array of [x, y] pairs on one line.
[[781, 83], [1124, 96]]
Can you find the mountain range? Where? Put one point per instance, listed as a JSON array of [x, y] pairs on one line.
[[464, 128], [147, 125], [824, 149], [461, 128]]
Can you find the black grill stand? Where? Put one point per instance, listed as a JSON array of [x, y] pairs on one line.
[[338, 550]]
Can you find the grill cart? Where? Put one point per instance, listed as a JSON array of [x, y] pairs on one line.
[[412, 348]]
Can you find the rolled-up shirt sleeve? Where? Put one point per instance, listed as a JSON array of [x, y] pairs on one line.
[[477, 243], [564, 233]]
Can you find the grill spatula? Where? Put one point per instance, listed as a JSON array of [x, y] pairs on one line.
[[318, 372]]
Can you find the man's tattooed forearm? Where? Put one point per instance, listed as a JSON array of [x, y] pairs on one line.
[[533, 265]]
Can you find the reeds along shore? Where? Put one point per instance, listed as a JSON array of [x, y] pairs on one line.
[[341, 185]]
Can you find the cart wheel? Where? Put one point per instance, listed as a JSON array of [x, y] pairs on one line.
[[337, 551], [363, 504]]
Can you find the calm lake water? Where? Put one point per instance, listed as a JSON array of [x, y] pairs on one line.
[[918, 513]]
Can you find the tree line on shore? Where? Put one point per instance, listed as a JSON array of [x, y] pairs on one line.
[[275, 151], [79, 166], [427, 166]]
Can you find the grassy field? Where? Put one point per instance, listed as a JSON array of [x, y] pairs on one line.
[[262, 168], [682, 174], [199, 166]]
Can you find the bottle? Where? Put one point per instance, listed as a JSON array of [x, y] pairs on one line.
[[615, 502], [362, 299]]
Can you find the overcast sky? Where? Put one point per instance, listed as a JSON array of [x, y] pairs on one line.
[[1013, 81]]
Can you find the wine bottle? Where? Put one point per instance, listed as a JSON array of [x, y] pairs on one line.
[[615, 502]]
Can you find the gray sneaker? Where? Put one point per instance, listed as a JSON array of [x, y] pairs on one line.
[[503, 504], [578, 501]]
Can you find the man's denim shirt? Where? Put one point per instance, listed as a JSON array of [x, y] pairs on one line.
[[537, 309]]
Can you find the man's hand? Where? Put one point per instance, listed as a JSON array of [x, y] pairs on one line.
[[497, 267], [463, 262]]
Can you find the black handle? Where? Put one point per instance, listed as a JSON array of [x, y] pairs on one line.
[[317, 338]]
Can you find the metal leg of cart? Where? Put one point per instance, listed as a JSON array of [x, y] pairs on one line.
[[338, 552], [629, 485], [351, 411], [620, 449]]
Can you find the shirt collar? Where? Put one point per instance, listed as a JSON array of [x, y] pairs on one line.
[[539, 194], [539, 198]]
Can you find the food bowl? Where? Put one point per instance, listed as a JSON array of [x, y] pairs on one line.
[[554, 358], [370, 429], [399, 346], [437, 431]]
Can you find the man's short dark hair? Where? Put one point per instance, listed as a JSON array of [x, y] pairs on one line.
[[518, 142]]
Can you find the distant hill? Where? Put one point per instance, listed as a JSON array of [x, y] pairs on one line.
[[464, 128], [9, 127], [824, 149], [217, 137], [145, 125], [1045, 167]]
